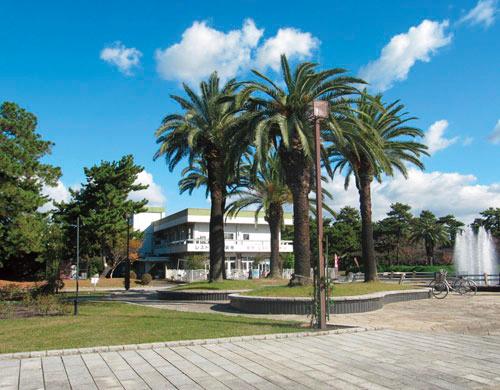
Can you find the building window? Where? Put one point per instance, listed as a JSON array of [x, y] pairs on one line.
[[229, 236], [246, 236]]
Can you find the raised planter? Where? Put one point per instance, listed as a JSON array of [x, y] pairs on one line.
[[197, 295], [341, 305]]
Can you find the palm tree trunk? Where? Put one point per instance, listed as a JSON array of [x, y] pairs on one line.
[[367, 245], [298, 170], [275, 216], [216, 235]]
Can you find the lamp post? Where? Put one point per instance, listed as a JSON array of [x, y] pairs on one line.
[[127, 262], [320, 111], [75, 312]]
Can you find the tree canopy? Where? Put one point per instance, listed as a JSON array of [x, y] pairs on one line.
[[22, 178]]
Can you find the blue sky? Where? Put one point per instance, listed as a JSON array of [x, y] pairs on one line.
[[440, 58]]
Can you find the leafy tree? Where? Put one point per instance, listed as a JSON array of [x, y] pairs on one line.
[[490, 219], [22, 177], [398, 223], [344, 233], [286, 124], [384, 144], [103, 206], [208, 132], [453, 227], [428, 230]]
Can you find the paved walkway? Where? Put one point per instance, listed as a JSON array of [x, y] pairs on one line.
[[383, 359], [478, 315]]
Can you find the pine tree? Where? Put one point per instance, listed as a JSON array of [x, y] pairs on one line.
[[22, 177]]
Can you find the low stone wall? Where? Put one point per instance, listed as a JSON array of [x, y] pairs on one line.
[[197, 295], [341, 305]]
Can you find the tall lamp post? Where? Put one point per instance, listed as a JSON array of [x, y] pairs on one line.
[[320, 111], [127, 262], [75, 312]]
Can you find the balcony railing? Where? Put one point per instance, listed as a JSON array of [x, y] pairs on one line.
[[202, 245]]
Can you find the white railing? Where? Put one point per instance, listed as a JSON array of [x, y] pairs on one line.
[[202, 245]]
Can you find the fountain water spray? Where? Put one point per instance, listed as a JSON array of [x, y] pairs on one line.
[[475, 253]]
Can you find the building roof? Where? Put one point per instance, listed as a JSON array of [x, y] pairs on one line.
[[203, 215]]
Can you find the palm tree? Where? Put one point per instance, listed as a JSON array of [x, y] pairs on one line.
[[206, 131], [286, 124], [375, 141], [267, 190], [428, 229]]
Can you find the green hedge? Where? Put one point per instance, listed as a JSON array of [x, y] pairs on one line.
[[409, 268]]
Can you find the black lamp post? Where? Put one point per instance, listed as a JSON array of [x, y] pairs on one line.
[[127, 261], [75, 312], [320, 111]]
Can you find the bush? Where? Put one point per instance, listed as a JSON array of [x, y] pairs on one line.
[[45, 304], [11, 292], [196, 262], [146, 279], [133, 275]]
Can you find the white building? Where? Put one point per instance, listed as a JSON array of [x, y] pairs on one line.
[[186, 232]]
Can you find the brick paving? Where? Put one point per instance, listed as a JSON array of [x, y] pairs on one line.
[[380, 359]]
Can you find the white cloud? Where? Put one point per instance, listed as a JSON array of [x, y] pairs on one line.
[[58, 193], [203, 49], [483, 13], [495, 134], [124, 58], [442, 193], [289, 41], [403, 51], [154, 193], [434, 137]]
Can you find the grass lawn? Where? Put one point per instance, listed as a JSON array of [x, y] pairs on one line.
[[228, 284], [119, 323], [339, 290]]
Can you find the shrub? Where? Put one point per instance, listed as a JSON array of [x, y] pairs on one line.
[[146, 279], [12, 292], [45, 304], [133, 275], [196, 262]]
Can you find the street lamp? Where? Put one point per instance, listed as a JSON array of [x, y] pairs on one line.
[[75, 311], [320, 111], [127, 262]]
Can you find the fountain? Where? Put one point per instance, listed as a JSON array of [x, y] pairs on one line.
[[474, 253]]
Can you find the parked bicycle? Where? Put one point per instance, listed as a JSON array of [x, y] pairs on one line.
[[441, 286]]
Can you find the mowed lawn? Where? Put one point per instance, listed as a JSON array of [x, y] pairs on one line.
[[338, 290], [229, 284], [100, 324]]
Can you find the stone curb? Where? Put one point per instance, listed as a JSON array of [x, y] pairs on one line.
[[181, 343], [341, 305]]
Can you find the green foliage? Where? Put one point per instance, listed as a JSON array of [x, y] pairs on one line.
[[428, 230], [344, 234], [453, 227], [392, 233], [288, 260], [146, 279], [196, 262], [490, 219], [103, 206], [22, 177], [210, 134]]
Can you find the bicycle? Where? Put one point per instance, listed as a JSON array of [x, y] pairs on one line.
[[441, 287]]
